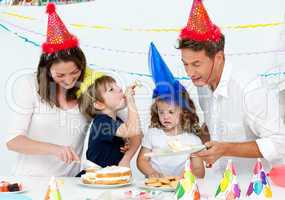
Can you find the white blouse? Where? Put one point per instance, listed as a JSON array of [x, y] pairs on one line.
[[39, 121], [156, 139]]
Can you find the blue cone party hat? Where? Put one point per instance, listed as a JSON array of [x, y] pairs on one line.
[[167, 88]]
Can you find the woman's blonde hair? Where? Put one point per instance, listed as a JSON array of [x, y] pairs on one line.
[[93, 94], [188, 118]]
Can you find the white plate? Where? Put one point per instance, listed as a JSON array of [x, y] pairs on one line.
[[142, 185], [16, 192], [105, 186], [193, 149]]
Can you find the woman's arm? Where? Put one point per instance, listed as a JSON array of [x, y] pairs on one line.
[[198, 168], [135, 142], [23, 144], [143, 164]]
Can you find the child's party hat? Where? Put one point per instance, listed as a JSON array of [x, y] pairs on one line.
[[58, 37], [166, 86], [53, 191], [259, 187], [187, 187], [228, 187], [199, 26]]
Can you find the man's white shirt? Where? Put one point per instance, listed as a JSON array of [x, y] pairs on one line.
[[239, 112]]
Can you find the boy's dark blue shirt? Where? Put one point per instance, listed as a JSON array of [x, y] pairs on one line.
[[104, 146]]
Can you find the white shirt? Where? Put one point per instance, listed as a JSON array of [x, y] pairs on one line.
[[39, 121], [238, 112], [168, 165]]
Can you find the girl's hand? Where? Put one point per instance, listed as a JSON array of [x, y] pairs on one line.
[[66, 154], [124, 163], [126, 147], [155, 175]]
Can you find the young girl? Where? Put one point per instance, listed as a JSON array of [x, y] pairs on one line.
[[101, 101], [173, 118]]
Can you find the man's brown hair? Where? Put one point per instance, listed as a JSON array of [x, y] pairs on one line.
[[211, 48]]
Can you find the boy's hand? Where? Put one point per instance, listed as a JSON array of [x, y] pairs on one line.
[[129, 94], [126, 147]]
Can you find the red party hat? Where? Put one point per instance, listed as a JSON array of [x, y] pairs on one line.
[[58, 37], [199, 27]]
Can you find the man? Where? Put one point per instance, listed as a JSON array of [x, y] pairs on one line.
[[237, 117]]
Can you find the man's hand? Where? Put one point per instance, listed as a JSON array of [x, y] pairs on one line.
[[215, 150]]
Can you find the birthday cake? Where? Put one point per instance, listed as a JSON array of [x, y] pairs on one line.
[[108, 176]]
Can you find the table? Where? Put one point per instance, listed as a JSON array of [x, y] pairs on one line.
[[71, 190]]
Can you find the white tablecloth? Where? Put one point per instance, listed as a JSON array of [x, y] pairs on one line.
[[71, 190]]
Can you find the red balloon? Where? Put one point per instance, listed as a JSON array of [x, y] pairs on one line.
[[277, 175]]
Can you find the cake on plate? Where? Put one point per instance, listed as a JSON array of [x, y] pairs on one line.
[[112, 175]]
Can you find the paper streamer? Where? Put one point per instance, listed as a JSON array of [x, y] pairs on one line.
[[37, 44], [158, 30]]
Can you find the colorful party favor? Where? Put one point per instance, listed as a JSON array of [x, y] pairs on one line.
[[228, 188]]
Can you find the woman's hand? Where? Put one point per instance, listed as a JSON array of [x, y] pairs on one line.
[[66, 154]]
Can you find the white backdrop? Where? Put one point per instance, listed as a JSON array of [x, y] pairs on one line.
[[115, 36]]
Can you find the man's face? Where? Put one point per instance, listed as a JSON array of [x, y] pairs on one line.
[[198, 66]]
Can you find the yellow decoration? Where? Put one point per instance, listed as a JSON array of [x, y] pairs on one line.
[[157, 29], [89, 78], [224, 184], [267, 192]]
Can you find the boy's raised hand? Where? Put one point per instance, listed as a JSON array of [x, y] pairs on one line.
[[129, 93]]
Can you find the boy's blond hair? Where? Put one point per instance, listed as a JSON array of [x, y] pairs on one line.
[[93, 94]]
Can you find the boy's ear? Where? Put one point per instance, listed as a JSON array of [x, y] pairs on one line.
[[99, 105]]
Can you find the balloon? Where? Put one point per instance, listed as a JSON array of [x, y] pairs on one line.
[[250, 189], [196, 195], [277, 175], [224, 184], [263, 177], [257, 187], [228, 175], [230, 196], [218, 191], [180, 191], [267, 192], [236, 190]]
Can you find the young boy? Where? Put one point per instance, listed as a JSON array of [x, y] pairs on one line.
[[108, 133]]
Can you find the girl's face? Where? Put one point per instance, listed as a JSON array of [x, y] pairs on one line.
[[65, 74], [169, 115], [114, 98]]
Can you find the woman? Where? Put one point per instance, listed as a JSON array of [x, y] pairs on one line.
[[49, 134]]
